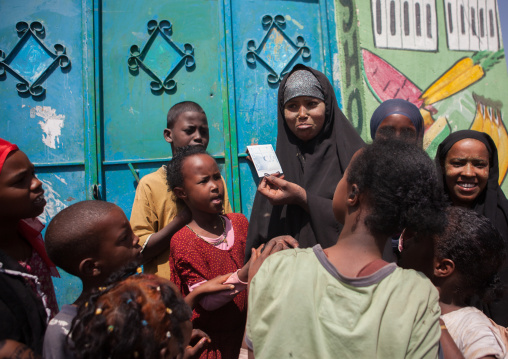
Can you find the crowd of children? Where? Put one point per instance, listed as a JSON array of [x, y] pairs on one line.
[[307, 278]]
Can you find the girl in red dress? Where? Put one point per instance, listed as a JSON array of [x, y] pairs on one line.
[[212, 244]]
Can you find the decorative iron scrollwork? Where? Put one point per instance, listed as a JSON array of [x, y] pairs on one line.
[[186, 54], [38, 59], [254, 53]]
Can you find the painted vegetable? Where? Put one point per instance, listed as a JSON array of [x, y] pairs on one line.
[[461, 75], [386, 82], [488, 119]]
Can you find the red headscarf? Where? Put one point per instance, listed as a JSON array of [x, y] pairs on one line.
[[30, 228], [5, 148]]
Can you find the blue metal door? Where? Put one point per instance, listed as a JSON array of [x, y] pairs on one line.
[[45, 97], [85, 86]]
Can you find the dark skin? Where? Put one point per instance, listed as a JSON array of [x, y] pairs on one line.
[[11, 349], [447, 279], [190, 128], [203, 193], [21, 196]]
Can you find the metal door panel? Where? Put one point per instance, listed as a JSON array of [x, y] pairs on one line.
[[293, 37]]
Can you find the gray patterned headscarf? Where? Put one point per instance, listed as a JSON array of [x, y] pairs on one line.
[[302, 83]]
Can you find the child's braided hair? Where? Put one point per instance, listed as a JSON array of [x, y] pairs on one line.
[[133, 317]]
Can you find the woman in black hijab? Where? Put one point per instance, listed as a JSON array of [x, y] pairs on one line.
[[467, 162], [315, 143]]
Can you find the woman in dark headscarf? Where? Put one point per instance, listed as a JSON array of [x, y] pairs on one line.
[[467, 162], [399, 118], [315, 143]]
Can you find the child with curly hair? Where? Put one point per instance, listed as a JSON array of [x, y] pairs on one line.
[[141, 316], [345, 301], [467, 259], [211, 244]]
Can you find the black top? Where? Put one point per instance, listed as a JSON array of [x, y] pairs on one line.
[[317, 166], [491, 203], [22, 314]]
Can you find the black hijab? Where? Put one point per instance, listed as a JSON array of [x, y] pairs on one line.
[[491, 203], [317, 166]]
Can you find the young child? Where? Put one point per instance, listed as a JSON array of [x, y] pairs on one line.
[[345, 301], [210, 245], [142, 316], [90, 240], [27, 297], [156, 217], [467, 258]]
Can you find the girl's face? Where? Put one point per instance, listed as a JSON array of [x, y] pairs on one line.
[[466, 170], [305, 116], [21, 193], [203, 188]]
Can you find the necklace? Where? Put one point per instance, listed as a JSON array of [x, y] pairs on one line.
[[218, 243]]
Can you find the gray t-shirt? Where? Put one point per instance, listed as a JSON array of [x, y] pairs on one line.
[[55, 339]]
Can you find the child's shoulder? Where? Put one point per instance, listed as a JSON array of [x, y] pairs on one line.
[[237, 217], [156, 177], [413, 281]]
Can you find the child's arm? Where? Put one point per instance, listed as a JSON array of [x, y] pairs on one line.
[[448, 346], [13, 349], [238, 281], [160, 241], [211, 286]]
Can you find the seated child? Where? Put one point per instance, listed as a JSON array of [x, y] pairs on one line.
[[345, 301], [211, 244], [27, 297], [467, 258], [142, 316], [155, 214]]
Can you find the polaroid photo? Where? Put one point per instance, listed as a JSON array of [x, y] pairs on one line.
[[264, 158]]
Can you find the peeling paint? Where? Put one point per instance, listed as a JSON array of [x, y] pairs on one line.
[[133, 111], [61, 179], [53, 202], [51, 124], [300, 26]]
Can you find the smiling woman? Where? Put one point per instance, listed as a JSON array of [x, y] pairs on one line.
[[468, 165]]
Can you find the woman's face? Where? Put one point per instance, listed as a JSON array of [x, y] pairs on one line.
[[466, 170], [396, 125], [305, 116]]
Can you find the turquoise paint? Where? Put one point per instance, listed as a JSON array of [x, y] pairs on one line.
[[114, 122]]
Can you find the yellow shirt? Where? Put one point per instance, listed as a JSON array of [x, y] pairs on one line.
[[154, 207]]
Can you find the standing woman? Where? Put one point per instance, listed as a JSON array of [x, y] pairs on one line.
[[467, 162], [315, 143]]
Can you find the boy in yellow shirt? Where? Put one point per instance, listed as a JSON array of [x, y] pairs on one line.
[[155, 216]]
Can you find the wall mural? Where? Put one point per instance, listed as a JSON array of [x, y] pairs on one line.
[[462, 35]]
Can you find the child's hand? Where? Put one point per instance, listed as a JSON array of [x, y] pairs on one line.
[[194, 350], [216, 285], [259, 255], [210, 286]]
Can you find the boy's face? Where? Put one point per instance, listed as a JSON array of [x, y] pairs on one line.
[[190, 128], [203, 188], [118, 245], [21, 193]]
